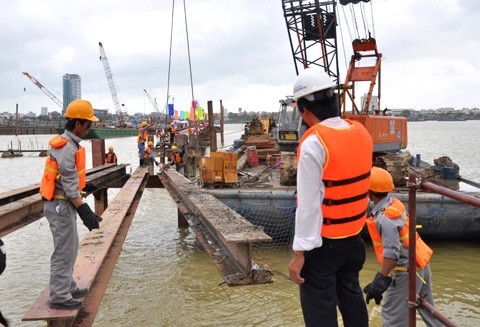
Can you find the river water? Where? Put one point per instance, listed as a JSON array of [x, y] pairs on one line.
[[163, 279]]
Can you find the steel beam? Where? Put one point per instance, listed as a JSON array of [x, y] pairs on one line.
[[225, 235], [21, 207]]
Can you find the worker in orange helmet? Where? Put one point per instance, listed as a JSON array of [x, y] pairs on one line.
[[110, 156], [63, 180], [149, 155], [141, 139], [389, 231]]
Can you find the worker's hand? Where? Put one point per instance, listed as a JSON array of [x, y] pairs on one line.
[[295, 267], [89, 218], [377, 287]]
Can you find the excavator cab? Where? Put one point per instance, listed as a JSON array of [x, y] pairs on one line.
[[290, 126]]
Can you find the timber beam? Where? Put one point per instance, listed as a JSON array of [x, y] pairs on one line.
[[225, 235]]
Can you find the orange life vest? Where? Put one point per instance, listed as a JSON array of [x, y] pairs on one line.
[[51, 172], [111, 157], [177, 158], [142, 135], [396, 210], [146, 155], [348, 161]]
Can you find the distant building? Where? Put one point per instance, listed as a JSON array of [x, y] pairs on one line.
[[44, 111], [72, 89]]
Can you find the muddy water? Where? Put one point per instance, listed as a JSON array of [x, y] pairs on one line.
[[163, 279]]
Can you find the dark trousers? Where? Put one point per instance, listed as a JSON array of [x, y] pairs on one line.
[[331, 279]]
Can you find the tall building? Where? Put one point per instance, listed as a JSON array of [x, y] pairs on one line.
[[44, 111], [72, 89]]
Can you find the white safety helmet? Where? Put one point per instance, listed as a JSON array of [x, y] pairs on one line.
[[309, 81]]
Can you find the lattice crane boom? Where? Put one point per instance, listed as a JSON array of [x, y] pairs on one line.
[[44, 89], [110, 80], [152, 101]]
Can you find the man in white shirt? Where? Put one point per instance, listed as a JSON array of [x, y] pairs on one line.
[[334, 162]]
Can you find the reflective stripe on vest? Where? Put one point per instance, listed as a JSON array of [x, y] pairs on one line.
[[348, 161], [51, 172], [396, 210]]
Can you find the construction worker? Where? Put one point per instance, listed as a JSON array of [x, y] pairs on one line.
[[63, 179], [177, 159], [110, 156], [149, 155], [388, 228], [334, 162], [141, 139], [171, 130]]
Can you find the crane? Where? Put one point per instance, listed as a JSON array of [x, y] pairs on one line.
[[44, 89], [153, 102], [110, 80], [312, 30]]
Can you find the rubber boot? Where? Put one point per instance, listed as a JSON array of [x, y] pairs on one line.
[[142, 162]]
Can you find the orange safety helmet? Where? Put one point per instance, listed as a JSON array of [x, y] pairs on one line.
[[380, 180], [144, 123], [110, 148], [80, 109], [150, 143]]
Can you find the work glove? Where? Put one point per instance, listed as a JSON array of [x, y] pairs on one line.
[[377, 287], [89, 218]]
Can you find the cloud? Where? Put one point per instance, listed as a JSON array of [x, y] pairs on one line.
[[239, 52]]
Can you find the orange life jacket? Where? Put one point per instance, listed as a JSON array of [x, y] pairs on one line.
[[142, 135], [177, 158], [396, 210], [111, 157], [146, 155], [346, 173], [51, 172]]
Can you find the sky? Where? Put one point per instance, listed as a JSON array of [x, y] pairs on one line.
[[239, 52]]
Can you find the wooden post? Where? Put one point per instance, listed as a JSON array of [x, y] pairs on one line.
[[16, 120], [222, 139], [213, 134], [98, 159]]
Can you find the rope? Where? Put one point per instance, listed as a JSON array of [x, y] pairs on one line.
[[188, 49], [169, 61]]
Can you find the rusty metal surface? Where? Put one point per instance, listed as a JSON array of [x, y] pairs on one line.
[[97, 256], [225, 235], [21, 207]]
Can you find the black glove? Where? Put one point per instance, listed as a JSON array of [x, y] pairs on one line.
[[375, 289], [90, 188], [89, 218]]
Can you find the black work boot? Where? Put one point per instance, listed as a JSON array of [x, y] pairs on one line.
[[71, 304]]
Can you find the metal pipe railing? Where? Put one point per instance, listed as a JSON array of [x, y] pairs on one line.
[[414, 301]]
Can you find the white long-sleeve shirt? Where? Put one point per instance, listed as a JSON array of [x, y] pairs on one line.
[[311, 191]]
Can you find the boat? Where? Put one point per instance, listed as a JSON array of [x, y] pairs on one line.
[[265, 195]]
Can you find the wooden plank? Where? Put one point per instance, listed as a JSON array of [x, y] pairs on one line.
[[93, 250]]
